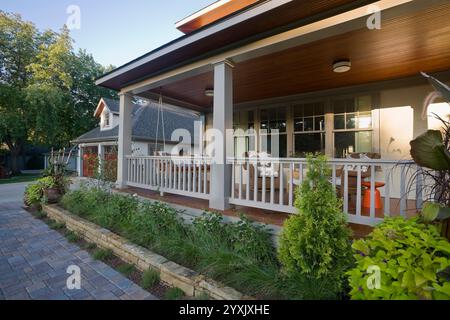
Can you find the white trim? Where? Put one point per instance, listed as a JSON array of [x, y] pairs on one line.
[[201, 12]]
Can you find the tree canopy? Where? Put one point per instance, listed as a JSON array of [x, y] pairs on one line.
[[47, 91]]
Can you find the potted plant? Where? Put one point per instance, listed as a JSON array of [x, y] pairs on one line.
[[431, 151]]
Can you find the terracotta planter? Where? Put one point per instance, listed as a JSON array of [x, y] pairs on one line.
[[53, 195]]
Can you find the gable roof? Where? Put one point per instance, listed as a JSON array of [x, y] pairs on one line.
[[145, 119], [111, 104]]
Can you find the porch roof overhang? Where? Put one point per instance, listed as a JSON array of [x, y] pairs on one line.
[[415, 36], [257, 21]]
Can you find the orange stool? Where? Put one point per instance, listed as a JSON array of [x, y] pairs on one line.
[[367, 199]]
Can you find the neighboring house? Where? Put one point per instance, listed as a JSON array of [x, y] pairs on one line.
[[101, 142], [319, 76]]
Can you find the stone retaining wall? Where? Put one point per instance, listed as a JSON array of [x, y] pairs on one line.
[[192, 283]]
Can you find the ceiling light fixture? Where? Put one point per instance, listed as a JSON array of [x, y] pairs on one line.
[[209, 92], [342, 66]]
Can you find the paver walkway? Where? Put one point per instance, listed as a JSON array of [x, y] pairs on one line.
[[34, 261]]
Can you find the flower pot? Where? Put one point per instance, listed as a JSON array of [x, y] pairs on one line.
[[52, 195]]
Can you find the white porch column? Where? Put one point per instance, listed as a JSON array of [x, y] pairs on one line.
[[220, 184], [124, 141], [80, 161], [100, 158]]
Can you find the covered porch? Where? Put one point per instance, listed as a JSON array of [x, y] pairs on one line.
[[282, 85]]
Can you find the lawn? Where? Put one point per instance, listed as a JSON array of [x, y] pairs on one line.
[[21, 178]]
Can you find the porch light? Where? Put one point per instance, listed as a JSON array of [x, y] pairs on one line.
[[209, 92], [342, 66]]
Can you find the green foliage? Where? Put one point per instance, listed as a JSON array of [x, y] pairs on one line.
[[126, 269], [174, 294], [428, 150], [47, 91], [432, 212], [34, 193], [55, 225], [410, 256], [315, 243], [102, 254], [238, 254], [150, 278], [40, 215], [72, 237]]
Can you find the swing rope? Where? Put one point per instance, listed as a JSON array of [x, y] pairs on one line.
[[160, 116]]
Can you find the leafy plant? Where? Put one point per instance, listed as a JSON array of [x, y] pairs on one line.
[[174, 294], [315, 243], [126, 269], [150, 278], [34, 193], [72, 237], [55, 225], [102, 254], [410, 256]]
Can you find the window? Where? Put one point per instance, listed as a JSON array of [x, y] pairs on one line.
[[244, 135], [273, 126], [106, 119], [309, 129], [352, 126]]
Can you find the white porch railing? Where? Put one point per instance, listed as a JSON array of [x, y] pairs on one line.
[[187, 176], [272, 186], [371, 190]]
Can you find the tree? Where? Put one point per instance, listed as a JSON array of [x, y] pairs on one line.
[[47, 92], [18, 48]]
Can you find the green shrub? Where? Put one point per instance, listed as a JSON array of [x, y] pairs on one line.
[[411, 257], [56, 225], [126, 269], [174, 294], [315, 243], [72, 237], [150, 278], [102, 254]]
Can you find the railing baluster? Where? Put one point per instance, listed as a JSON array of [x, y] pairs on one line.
[[334, 177], [419, 188], [189, 187], [233, 179], [345, 189], [403, 195], [194, 176], [247, 186], [255, 180], [291, 184], [272, 185], [263, 175], [241, 177], [372, 191], [387, 192], [358, 192], [205, 177], [281, 177]]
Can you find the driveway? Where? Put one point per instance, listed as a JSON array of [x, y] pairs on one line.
[[34, 260]]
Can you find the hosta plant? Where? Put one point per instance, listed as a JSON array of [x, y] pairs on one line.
[[413, 261]]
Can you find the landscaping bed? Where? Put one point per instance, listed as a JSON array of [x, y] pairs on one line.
[[240, 255]]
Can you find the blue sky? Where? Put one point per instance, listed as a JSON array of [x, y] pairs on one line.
[[114, 31]]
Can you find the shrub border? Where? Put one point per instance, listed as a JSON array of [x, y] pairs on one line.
[[191, 282]]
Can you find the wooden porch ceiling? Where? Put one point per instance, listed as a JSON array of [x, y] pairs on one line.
[[402, 48]]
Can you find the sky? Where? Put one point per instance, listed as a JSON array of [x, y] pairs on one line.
[[113, 31]]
